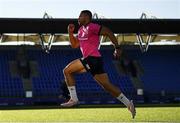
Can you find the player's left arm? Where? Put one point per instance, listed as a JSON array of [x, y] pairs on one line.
[[107, 32]]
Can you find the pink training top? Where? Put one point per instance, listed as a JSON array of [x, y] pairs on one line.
[[89, 39]]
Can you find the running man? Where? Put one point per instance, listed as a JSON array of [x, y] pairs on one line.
[[88, 40]]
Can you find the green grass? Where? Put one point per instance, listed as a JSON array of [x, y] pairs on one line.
[[156, 114]]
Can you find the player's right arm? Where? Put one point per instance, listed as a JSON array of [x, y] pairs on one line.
[[73, 40]]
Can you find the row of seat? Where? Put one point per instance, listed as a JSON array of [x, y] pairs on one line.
[[161, 73]]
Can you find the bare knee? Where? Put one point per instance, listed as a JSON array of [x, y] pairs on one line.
[[66, 71]]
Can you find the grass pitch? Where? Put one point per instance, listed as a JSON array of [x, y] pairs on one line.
[[117, 114]]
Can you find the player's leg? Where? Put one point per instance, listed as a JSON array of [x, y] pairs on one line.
[[69, 71], [72, 68], [104, 81]]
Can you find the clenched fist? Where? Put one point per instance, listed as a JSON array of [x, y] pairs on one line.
[[71, 28]]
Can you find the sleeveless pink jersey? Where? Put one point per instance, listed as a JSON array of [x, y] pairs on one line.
[[89, 40]]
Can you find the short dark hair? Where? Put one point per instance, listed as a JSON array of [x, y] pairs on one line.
[[88, 13]]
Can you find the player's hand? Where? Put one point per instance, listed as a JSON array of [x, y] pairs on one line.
[[117, 53], [71, 28]]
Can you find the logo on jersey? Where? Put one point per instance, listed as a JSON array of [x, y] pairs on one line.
[[83, 33]]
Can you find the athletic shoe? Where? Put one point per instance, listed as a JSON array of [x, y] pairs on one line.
[[132, 109], [70, 103]]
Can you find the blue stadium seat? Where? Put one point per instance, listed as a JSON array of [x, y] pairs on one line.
[[162, 70]]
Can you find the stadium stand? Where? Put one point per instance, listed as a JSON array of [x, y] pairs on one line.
[[160, 79]]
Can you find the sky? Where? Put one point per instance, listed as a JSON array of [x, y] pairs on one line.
[[104, 8]]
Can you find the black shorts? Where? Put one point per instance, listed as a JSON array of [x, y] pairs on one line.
[[93, 64]]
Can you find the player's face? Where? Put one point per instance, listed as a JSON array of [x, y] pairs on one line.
[[82, 19]]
